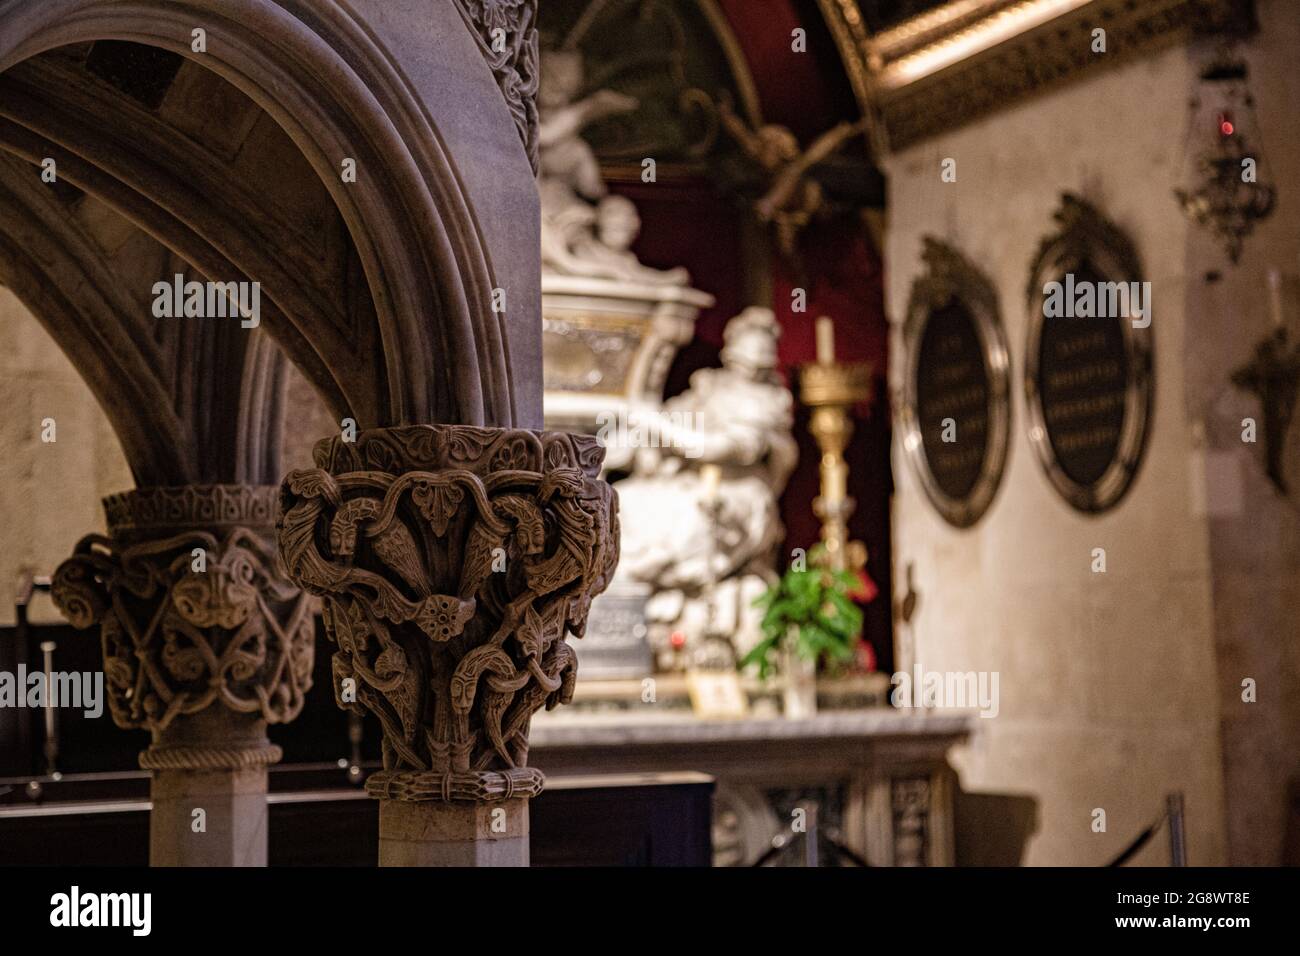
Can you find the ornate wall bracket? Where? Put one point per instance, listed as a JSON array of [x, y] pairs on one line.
[[195, 618], [452, 561], [1273, 376]]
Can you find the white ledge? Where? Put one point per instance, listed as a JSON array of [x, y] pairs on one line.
[[563, 730]]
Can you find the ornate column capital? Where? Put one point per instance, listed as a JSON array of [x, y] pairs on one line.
[[453, 560], [194, 614]]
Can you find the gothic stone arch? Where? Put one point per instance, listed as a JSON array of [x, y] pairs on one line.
[[408, 295]]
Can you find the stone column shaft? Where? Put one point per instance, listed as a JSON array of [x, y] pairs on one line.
[[453, 834]]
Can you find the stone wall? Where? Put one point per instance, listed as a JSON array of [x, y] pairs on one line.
[[1254, 531], [1107, 681], [1119, 687], [49, 492]]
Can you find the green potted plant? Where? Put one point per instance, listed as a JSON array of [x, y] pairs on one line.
[[808, 618]]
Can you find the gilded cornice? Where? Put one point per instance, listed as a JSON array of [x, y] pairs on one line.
[[943, 68]]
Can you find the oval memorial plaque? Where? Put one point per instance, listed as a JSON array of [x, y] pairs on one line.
[[956, 415], [1087, 359], [952, 399], [1083, 376]]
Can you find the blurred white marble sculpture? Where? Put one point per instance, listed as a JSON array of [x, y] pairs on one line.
[[700, 523], [585, 231]]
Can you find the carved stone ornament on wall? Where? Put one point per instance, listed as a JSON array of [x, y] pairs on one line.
[[452, 560], [1089, 373], [506, 31], [956, 410], [1273, 376], [193, 613]]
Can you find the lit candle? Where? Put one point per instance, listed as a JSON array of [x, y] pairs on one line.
[[1275, 297], [825, 341], [711, 475]]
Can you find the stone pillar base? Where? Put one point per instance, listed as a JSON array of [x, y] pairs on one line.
[[432, 833], [229, 831], [209, 790]]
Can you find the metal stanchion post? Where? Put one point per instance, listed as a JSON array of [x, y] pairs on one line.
[[1177, 838]]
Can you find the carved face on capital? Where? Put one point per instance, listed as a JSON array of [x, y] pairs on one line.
[[222, 596]]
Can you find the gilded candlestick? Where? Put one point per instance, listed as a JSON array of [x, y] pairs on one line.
[[830, 389]]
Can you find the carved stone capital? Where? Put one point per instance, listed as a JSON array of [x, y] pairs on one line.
[[453, 561], [195, 616]]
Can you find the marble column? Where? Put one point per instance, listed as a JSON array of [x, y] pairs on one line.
[[205, 643], [453, 560]]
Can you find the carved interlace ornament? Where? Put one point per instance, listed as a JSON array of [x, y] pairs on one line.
[[506, 31], [452, 560], [192, 613]]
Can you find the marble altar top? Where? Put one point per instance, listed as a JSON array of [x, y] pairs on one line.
[[561, 730]]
